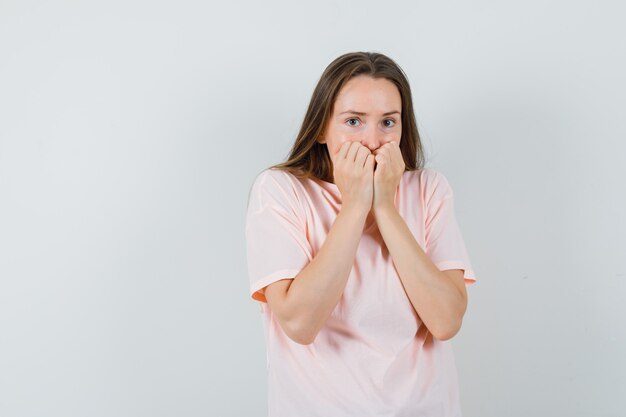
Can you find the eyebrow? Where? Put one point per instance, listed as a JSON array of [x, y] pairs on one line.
[[363, 114]]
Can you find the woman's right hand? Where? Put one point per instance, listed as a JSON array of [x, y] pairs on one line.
[[353, 173]]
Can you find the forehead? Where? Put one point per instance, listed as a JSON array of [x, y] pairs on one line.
[[363, 93]]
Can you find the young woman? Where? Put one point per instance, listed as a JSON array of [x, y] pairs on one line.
[[356, 258]]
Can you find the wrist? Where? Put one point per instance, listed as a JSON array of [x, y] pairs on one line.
[[355, 210], [383, 209]]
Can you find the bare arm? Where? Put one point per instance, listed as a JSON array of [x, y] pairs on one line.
[[313, 294], [439, 298], [305, 305]]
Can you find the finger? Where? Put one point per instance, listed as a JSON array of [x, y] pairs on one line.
[[343, 150], [354, 148], [393, 156], [384, 158], [361, 156], [400, 157], [377, 163], [369, 162]]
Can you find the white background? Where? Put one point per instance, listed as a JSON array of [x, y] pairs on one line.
[[131, 131]]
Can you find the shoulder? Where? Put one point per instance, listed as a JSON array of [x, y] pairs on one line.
[[431, 184], [279, 177], [272, 184]]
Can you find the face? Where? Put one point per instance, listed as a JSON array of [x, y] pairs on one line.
[[366, 110]]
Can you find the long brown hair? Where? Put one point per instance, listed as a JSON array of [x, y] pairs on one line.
[[309, 158]]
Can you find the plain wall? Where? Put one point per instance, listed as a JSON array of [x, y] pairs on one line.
[[130, 134]]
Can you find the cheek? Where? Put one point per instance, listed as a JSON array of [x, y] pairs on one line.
[[394, 137], [396, 134]]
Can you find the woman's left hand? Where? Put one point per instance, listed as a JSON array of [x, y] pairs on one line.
[[387, 174]]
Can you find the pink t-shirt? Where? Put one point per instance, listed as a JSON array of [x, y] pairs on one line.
[[373, 356]]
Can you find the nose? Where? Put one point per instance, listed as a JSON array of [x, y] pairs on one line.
[[372, 138]]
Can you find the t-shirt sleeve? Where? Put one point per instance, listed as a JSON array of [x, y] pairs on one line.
[[276, 240], [445, 245]]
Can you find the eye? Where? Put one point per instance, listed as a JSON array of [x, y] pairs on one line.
[[353, 118], [389, 120]]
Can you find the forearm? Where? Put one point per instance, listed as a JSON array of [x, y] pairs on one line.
[[317, 289], [435, 298]]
